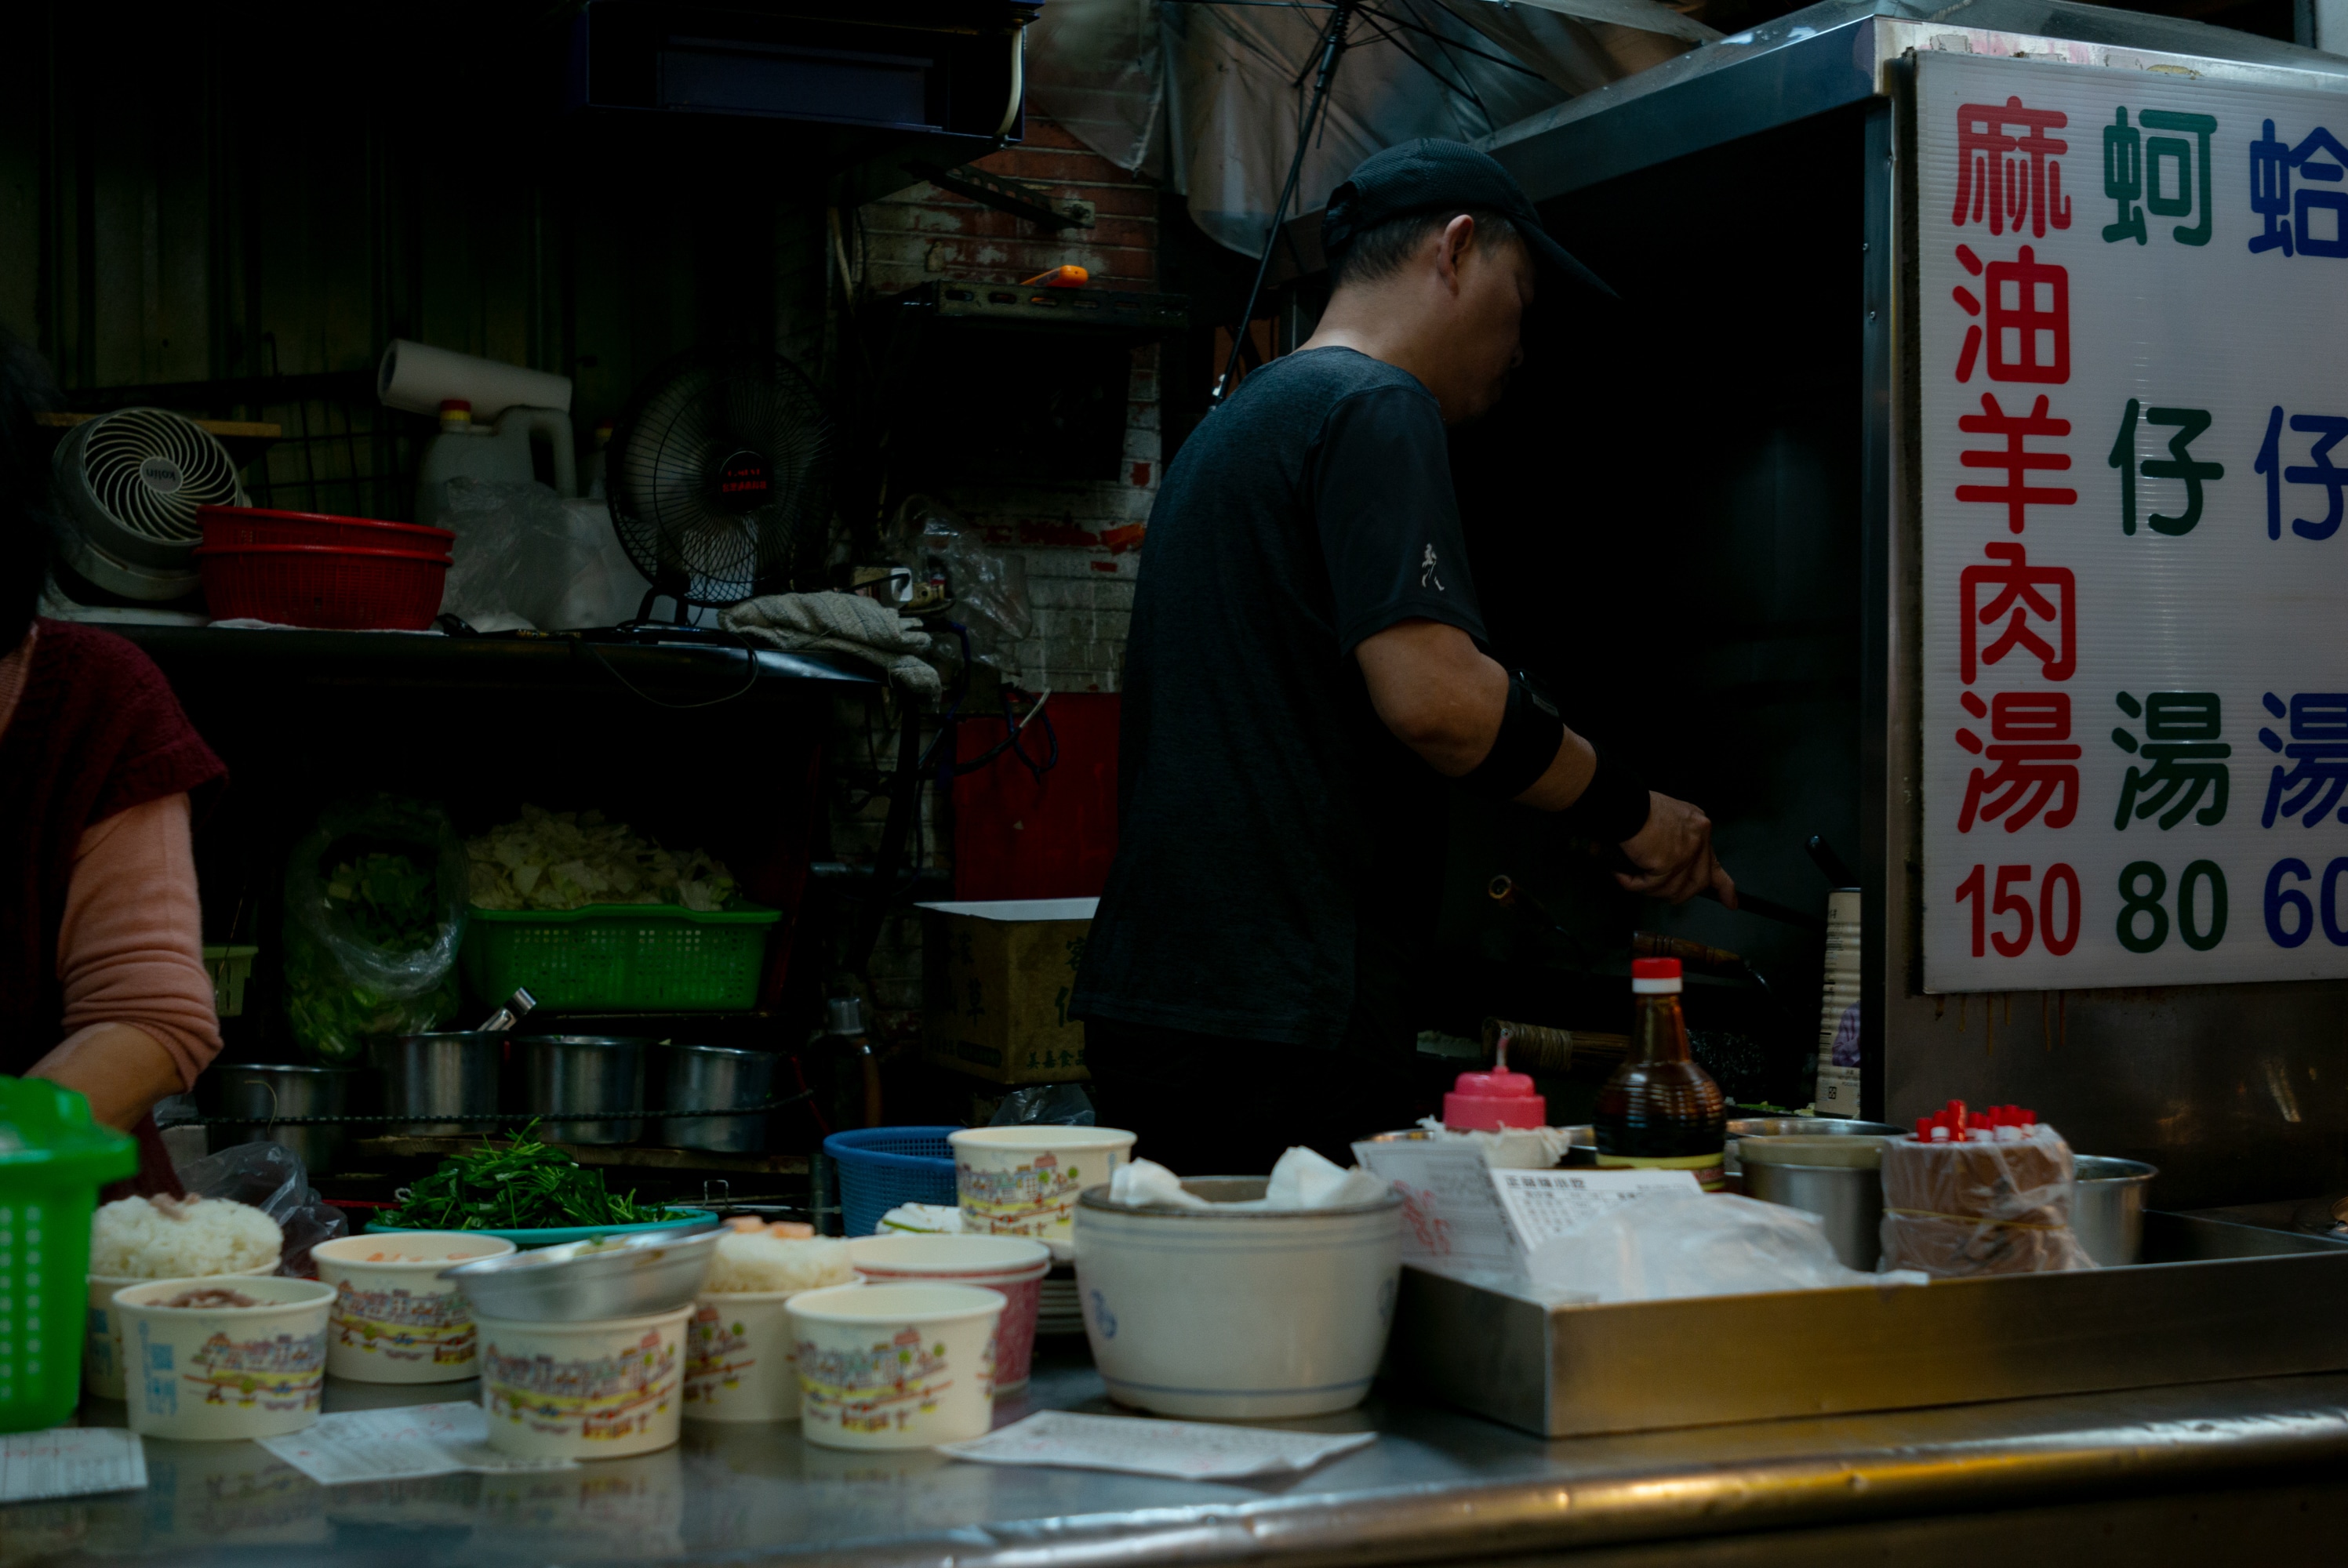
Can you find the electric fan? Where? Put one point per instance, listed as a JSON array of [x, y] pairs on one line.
[[131, 482], [718, 479]]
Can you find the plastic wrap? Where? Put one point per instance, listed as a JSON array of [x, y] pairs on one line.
[[525, 558], [989, 586], [270, 1177], [1690, 1244], [1044, 1105], [375, 912], [1953, 1210]]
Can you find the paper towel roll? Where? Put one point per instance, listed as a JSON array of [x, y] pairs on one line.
[[417, 378]]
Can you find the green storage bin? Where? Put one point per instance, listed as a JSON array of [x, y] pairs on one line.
[[620, 958], [53, 1159]]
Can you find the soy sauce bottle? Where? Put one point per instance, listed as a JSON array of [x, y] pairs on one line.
[[1660, 1110]]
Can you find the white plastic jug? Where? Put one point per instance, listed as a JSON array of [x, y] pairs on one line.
[[499, 454]]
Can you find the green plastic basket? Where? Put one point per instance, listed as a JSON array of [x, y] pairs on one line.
[[53, 1159], [620, 958]]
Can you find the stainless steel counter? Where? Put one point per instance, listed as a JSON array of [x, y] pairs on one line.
[[1439, 1486]]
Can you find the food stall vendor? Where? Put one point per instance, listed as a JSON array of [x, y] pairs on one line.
[[1306, 667], [102, 981]]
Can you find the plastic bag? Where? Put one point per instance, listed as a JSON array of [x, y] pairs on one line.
[[989, 586], [524, 557], [1959, 1209], [1044, 1105], [374, 912], [270, 1177], [1692, 1244]]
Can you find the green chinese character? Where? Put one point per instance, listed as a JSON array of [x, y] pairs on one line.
[[2180, 464]]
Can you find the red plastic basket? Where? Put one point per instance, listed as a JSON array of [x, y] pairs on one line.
[[323, 586], [226, 526]]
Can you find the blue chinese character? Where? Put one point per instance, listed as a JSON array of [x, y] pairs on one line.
[[2270, 191], [2317, 753], [2280, 208], [2318, 470]]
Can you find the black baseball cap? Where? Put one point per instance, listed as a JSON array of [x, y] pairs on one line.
[[1429, 174]]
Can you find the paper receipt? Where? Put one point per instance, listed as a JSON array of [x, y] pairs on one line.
[[70, 1461], [391, 1445], [1190, 1450]]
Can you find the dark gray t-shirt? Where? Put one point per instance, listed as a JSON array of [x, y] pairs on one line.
[[1280, 852]]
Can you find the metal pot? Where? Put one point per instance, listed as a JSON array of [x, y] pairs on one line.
[[2108, 1207], [565, 1074], [1837, 1177], [1800, 1127], [712, 1077], [268, 1092], [453, 1075]]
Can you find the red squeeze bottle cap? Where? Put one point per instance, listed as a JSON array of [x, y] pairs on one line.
[[1655, 977], [1487, 1101]]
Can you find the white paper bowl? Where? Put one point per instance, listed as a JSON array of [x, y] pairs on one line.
[[215, 1372], [1011, 1265], [102, 1363], [1238, 1315], [583, 1390], [1024, 1181], [895, 1366], [394, 1320], [739, 1360]]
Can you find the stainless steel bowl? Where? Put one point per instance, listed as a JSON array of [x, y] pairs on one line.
[[267, 1092], [1800, 1127], [590, 1281], [562, 1075], [450, 1074], [2108, 1207], [1837, 1177], [715, 1078]]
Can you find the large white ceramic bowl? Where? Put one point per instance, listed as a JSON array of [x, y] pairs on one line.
[[1024, 1181], [394, 1319], [895, 1366], [1237, 1315], [102, 1360], [221, 1372], [583, 1390]]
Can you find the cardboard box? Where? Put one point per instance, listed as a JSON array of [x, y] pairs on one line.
[[996, 978]]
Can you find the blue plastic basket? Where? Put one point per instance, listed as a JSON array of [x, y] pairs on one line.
[[880, 1167]]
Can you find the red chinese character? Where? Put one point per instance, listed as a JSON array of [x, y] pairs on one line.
[[2032, 767], [2029, 319], [2017, 492], [2017, 597], [2009, 177]]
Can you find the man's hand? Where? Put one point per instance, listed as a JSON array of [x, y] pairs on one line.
[[1674, 854]]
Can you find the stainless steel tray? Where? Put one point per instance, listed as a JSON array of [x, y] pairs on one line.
[[2212, 1301]]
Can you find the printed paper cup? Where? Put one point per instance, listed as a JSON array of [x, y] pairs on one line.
[[895, 1366], [583, 1390], [102, 1363], [1024, 1181], [214, 1372], [739, 1364], [394, 1320], [1012, 1267]]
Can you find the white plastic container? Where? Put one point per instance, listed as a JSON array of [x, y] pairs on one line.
[[895, 1366], [102, 1361], [225, 1372], [583, 1390], [1024, 1181], [1238, 1315], [394, 1320], [739, 1364]]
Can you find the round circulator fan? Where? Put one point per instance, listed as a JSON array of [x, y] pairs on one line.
[[717, 478], [132, 481]]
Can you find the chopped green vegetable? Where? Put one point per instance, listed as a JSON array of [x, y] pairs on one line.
[[567, 860], [524, 1185]]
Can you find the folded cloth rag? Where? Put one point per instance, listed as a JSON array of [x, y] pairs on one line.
[[841, 622]]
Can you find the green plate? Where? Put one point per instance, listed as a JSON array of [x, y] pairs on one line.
[[555, 1236]]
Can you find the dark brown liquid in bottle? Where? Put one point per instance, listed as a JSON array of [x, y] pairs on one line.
[[1660, 1108]]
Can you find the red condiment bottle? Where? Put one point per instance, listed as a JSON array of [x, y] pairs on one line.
[[1660, 1109]]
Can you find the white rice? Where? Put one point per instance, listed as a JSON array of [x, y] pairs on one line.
[[762, 1263], [132, 1238]]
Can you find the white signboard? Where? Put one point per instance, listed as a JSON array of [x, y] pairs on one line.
[[2134, 574]]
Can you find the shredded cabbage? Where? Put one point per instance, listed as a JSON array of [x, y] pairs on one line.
[[570, 859]]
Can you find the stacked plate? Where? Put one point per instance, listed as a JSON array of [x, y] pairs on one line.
[[1060, 1311]]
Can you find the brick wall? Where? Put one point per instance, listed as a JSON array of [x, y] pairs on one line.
[[1078, 538]]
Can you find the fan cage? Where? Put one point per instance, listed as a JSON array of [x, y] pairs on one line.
[[149, 470]]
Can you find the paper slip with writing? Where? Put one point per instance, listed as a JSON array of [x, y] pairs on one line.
[[1189, 1451], [392, 1445], [1545, 1204], [1451, 1215], [70, 1461]]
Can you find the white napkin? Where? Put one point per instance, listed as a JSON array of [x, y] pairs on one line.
[[1140, 1182], [1301, 1180]]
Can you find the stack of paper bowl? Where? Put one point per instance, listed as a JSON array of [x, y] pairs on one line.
[[1011, 1266], [1023, 1180], [895, 1366], [212, 1371], [394, 1319], [103, 1364]]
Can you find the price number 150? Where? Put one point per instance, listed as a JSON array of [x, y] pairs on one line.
[[2010, 900]]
